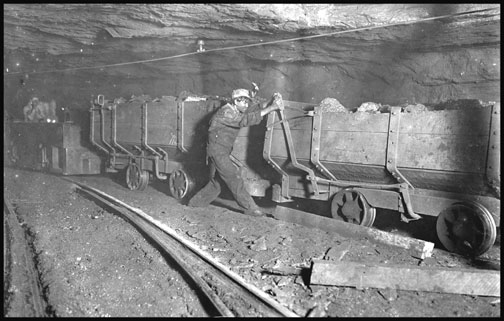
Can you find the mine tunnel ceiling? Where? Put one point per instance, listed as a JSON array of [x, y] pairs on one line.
[[59, 36]]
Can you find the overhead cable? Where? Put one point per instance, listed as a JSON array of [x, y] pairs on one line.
[[259, 44]]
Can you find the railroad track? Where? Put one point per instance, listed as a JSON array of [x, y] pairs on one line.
[[223, 292], [16, 248]]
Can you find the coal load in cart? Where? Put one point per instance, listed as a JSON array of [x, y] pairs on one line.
[[443, 162], [165, 139]]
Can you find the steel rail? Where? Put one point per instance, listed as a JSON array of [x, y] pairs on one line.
[[34, 299], [175, 254], [184, 251]]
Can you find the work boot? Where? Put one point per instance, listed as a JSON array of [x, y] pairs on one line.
[[254, 212]]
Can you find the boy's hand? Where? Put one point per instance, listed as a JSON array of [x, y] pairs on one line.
[[278, 101]]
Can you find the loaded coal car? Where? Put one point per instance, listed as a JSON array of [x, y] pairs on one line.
[[165, 139], [442, 162], [53, 147]]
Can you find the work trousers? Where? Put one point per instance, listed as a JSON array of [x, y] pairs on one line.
[[221, 164]]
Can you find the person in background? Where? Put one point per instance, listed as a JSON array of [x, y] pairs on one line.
[[222, 133], [39, 111]]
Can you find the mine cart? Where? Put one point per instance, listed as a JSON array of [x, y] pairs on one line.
[[442, 163], [52, 147], [165, 139]]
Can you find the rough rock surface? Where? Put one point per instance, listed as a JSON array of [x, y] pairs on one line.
[[352, 52]]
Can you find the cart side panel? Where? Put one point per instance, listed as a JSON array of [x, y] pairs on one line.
[[355, 122], [301, 140], [54, 147], [128, 122], [301, 128], [25, 142], [168, 123], [449, 140], [196, 120], [445, 150], [76, 161], [60, 134], [162, 122], [354, 147], [104, 115], [358, 138]]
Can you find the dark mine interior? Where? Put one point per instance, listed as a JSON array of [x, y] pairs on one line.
[[252, 160]]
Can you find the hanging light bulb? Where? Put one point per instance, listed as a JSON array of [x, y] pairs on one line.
[[201, 43]]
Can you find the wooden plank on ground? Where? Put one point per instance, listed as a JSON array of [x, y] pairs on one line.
[[472, 282], [417, 248]]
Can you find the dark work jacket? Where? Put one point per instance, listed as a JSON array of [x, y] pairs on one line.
[[225, 125]]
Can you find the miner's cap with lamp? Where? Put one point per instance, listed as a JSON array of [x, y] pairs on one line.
[[239, 93]]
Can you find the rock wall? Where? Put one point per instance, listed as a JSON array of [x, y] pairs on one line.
[[386, 53], [431, 77]]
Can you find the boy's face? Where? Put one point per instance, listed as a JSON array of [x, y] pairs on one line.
[[242, 104]]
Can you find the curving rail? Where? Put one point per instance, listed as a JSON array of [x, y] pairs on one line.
[[227, 293]]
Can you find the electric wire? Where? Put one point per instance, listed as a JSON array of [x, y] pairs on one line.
[[258, 44]]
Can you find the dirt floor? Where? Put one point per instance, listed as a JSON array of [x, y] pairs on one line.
[[92, 263]]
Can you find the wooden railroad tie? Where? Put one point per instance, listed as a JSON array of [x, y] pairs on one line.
[[417, 248], [381, 276]]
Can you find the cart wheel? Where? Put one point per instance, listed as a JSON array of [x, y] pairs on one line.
[[180, 184], [136, 178], [352, 207], [466, 228]]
